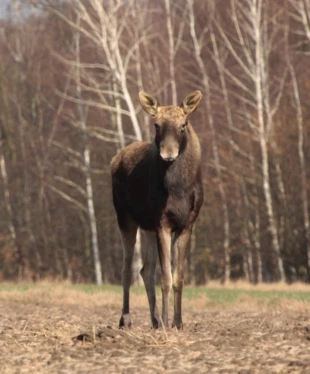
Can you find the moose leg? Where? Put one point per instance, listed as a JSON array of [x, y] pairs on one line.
[[180, 246], [128, 234], [164, 250], [149, 276]]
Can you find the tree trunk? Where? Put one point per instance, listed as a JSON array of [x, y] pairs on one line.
[[88, 180], [16, 252], [190, 264], [205, 81], [137, 262], [259, 73], [32, 247], [118, 116], [171, 52], [303, 173]]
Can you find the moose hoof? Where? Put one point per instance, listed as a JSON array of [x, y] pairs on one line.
[[125, 321], [178, 325], [157, 323]]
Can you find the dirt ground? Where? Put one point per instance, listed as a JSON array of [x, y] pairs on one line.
[[76, 335]]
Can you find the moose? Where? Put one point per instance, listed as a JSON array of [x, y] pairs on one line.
[[157, 186]]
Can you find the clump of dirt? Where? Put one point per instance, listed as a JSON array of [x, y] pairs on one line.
[[83, 338]]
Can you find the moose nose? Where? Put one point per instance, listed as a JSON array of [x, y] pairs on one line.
[[169, 150], [169, 159]]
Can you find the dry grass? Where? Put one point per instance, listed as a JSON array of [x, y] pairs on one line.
[[64, 294], [277, 286], [215, 296], [54, 327]]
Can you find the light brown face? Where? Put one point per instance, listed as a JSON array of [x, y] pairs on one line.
[[170, 125], [170, 122]]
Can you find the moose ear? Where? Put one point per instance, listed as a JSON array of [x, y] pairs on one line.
[[148, 103], [191, 102]]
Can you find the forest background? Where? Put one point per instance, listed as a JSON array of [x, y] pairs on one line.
[[70, 73]]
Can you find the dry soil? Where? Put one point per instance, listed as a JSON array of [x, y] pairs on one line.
[[44, 333]]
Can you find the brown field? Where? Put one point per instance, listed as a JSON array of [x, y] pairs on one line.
[[60, 329]]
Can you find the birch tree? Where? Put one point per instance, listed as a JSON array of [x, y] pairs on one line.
[[251, 53], [13, 97], [302, 15], [171, 52], [86, 159], [7, 199], [174, 25], [113, 34], [217, 163]]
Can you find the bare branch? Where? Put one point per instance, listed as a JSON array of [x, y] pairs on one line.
[[68, 198]]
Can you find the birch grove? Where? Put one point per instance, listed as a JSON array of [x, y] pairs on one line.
[[70, 74]]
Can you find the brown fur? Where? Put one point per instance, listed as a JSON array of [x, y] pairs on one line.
[[157, 186]]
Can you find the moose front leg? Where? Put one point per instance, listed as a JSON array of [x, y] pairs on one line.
[[164, 249], [128, 235], [148, 273], [181, 241]]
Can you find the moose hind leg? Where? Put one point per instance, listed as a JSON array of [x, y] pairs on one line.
[[180, 246], [128, 235], [148, 273]]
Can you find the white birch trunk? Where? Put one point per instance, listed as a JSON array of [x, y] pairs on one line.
[[88, 180], [7, 200], [137, 261], [302, 162], [92, 217], [171, 52], [256, 8], [256, 238], [145, 116], [118, 117], [205, 81], [190, 264]]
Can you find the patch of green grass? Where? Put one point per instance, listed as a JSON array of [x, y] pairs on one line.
[[215, 296], [225, 295], [7, 287], [93, 289]]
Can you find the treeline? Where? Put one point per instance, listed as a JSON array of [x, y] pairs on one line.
[[70, 73]]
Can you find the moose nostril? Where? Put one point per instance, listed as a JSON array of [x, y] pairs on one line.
[[169, 152], [169, 158]]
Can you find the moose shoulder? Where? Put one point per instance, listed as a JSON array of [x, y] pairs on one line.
[[157, 186]]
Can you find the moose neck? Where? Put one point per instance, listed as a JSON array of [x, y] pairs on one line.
[[180, 174]]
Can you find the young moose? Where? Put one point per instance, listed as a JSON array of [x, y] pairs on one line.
[[157, 186]]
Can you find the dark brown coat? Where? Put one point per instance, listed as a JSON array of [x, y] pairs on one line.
[[157, 186]]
